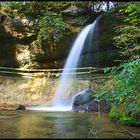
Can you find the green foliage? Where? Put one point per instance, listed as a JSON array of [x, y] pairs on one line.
[[110, 70], [10, 6], [128, 37], [50, 24], [123, 90], [34, 8], [122, 118], [51, 27]]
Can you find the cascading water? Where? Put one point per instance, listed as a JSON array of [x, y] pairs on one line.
[[62, 91], [71, 63]]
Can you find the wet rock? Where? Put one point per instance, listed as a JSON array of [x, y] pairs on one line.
[[7, 109], [101, 106], [93, 105], [86, 101], [82, 99], [20, 107], [104, 106]]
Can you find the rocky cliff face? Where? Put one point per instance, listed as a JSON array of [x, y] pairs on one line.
[[20, 48], [16, 35]]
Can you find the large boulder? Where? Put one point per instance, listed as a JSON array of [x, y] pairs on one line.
[[82, 99], [86, 101]]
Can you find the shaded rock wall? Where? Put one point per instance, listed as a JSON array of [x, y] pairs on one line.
[[101, 52], [20, 48]]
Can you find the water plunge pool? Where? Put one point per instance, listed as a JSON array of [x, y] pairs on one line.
[[43, 124]]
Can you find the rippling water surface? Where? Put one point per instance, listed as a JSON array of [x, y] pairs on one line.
[[43, 124]]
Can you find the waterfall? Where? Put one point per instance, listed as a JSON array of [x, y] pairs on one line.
[[71, 63], [60, 102]]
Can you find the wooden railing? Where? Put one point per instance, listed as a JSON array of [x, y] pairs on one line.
[[30, 73]]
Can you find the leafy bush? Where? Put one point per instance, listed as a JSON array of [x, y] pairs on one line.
[[51, 27], [123, 91], [128, 34]]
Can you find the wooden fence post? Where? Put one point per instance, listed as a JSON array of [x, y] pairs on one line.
[[90, 78]]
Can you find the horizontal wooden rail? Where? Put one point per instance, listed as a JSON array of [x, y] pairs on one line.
[[45, 72], [47, 69]]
